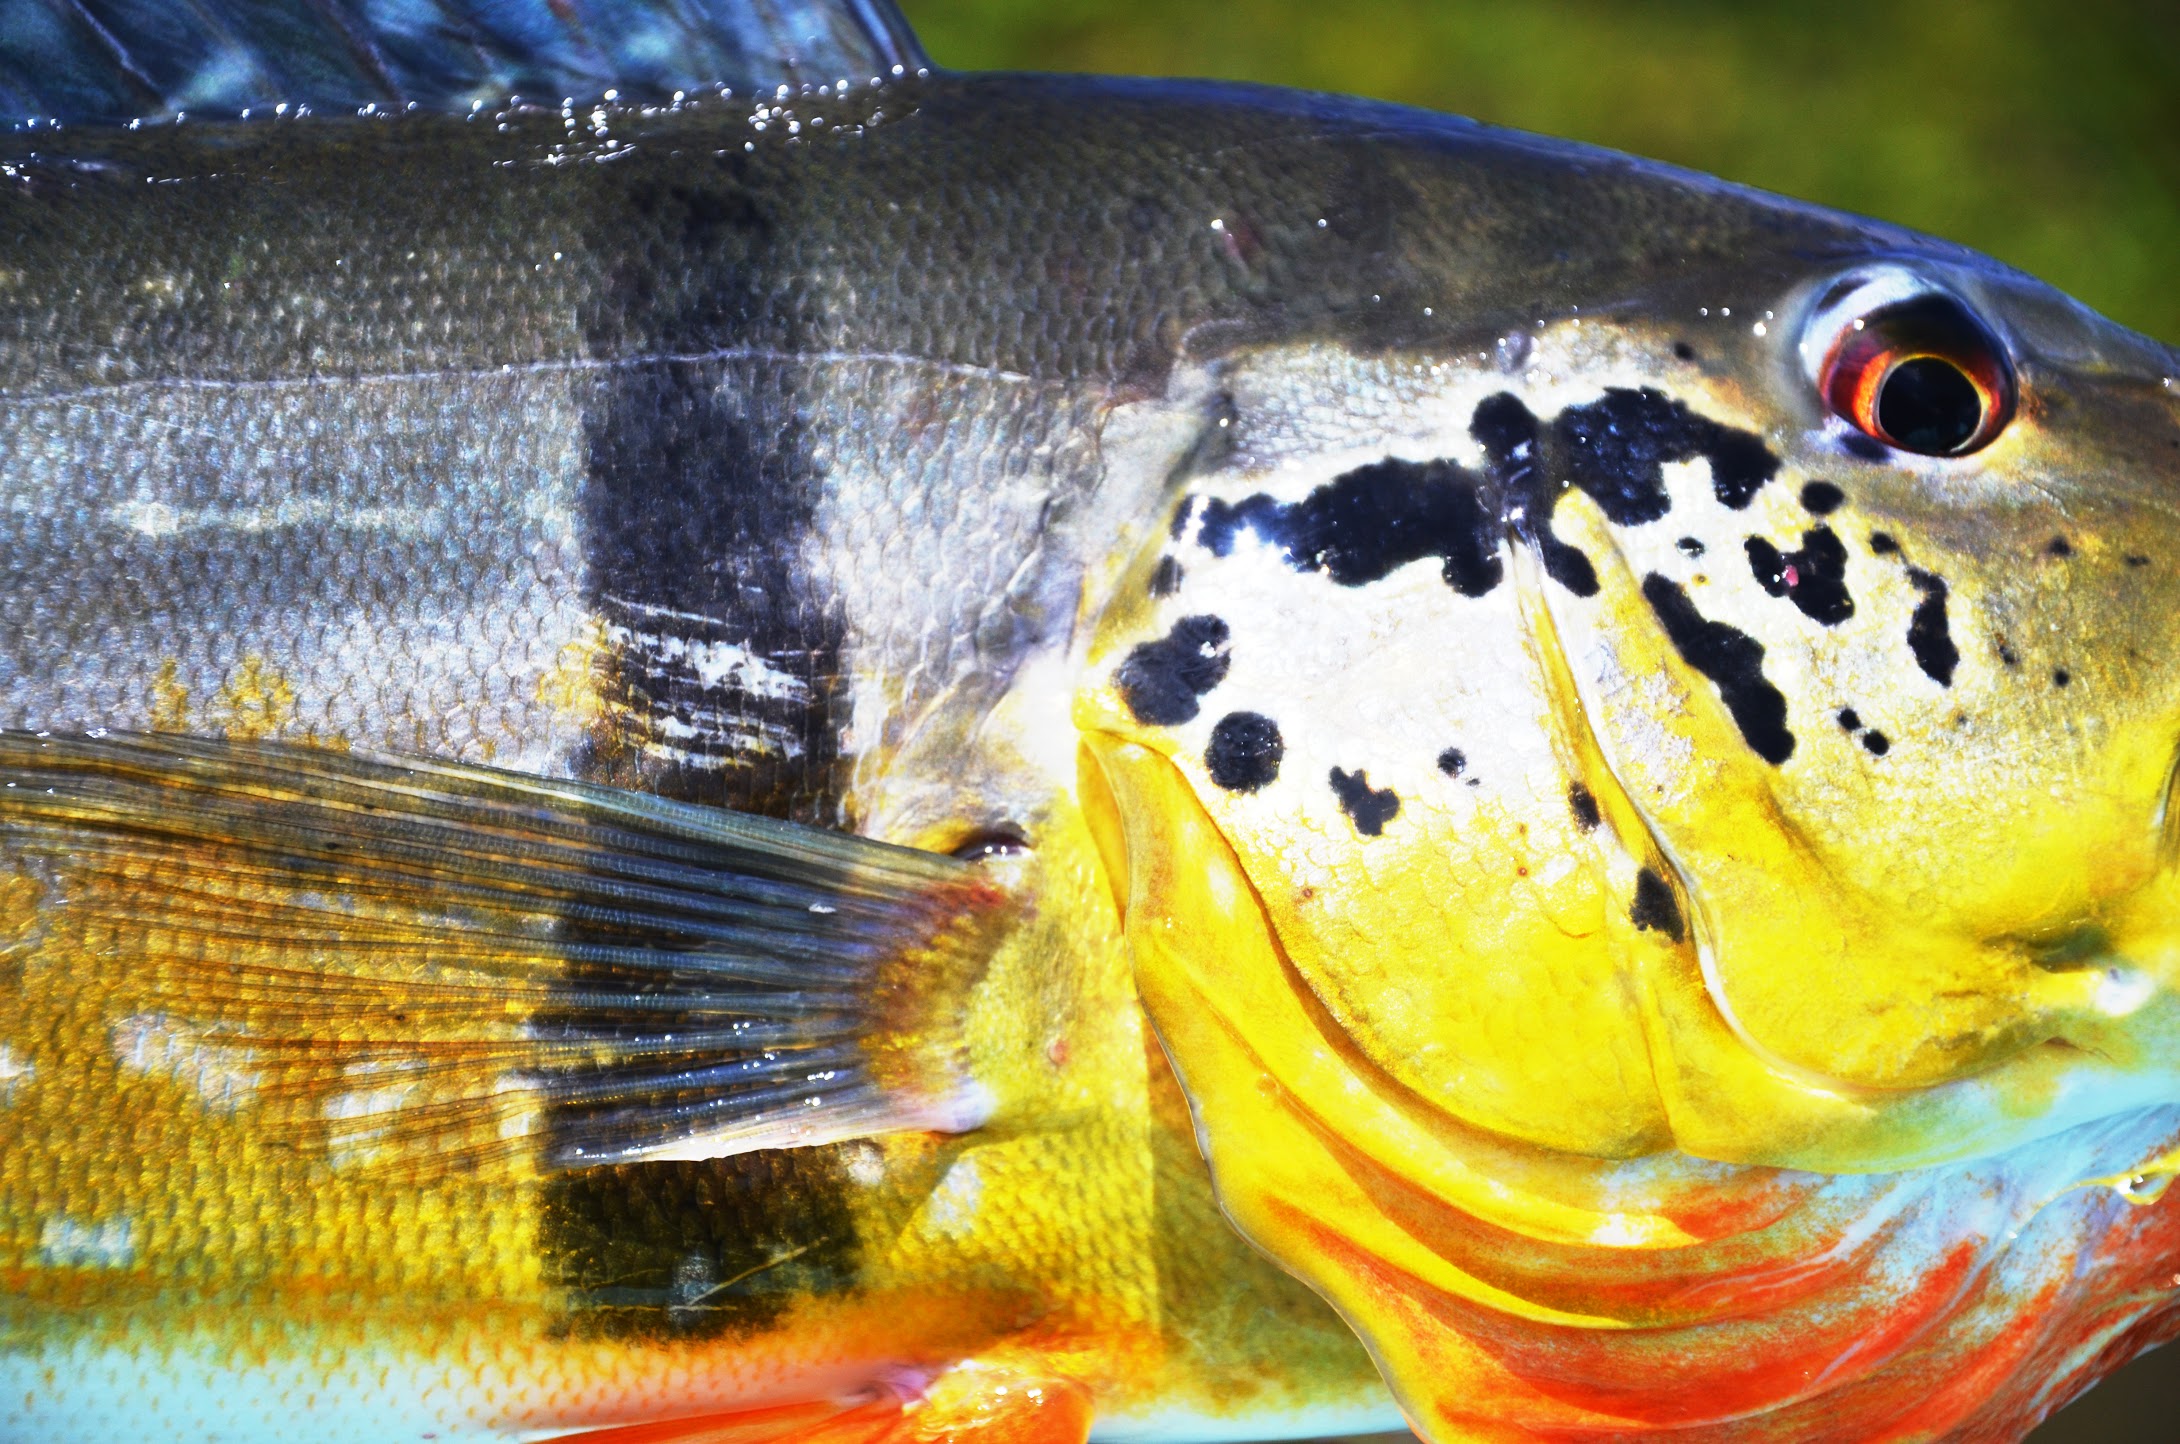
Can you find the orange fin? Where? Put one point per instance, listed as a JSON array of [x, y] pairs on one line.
[[978, 1403], [865, 1423]]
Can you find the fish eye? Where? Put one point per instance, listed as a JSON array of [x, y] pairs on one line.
[[1918, 372], [1005, 840]]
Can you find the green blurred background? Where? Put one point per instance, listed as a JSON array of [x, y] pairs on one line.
[[2045, 132]]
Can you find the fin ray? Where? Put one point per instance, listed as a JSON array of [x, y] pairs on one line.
[[421, 961], [111, 61]]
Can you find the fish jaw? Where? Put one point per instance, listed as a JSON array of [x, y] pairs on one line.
[[1512, 1292]]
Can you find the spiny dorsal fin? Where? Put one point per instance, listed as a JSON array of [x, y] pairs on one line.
[[112, 61], [423, 965]]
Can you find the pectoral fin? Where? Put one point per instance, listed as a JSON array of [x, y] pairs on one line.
[[424, 965]]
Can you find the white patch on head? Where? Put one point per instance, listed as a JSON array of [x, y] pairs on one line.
[[68, 1242], [154, 1045]]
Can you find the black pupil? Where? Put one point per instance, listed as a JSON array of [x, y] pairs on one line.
[[1929, 405]]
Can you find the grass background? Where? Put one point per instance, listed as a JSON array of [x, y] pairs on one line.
[[2045, 132]]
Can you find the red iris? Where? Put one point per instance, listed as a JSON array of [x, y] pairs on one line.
[[1923, 375]]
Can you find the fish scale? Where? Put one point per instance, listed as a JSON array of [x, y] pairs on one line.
[[929, 756]]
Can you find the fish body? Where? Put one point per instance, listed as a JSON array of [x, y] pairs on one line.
[[1430, 670]]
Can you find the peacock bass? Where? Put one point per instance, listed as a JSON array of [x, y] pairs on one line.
[[708, 737]]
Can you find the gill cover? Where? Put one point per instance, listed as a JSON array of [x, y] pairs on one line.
[[1637, 874]]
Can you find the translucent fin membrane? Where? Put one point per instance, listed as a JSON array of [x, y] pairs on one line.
[[425, 964], [109, 61]]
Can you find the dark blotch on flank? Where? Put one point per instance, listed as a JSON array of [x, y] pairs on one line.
[[2059, 546], [2061, 677], [1508, 433], [675, 1250], [1655, 909], [1850, 720], [1814, 577], [1733, 660], [1166, 577], [1245, 751], [1369, 807], [1615, 449], [1160, 681], [1821, 498], [1876, 743], [1583, 804], [1930, 638], [1453, 762], [1360, 527]]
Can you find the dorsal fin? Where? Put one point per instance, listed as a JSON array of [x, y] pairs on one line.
[[112, 61]]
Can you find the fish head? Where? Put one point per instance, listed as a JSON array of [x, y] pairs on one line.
[[1725, 721]]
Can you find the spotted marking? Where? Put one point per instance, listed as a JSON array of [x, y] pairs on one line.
[[2059, 546], [1166, 577], [1508, 433], [1370, 808], [1583, 804], [1689, 546], [2061, 677], [1882, 543], [1929, 636], [1655, 909], [1849, 720], [1162, 680], [1362, 525], [1615, 450], [1453, 762], [1821, 498], [1245, 752], [1876, 743], [1814, 578], [1734, 662]]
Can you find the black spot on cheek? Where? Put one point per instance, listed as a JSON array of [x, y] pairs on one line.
[[1369, 807], [1583, 804], [1867, 448], [1733, 660], [1245, 751], [2059, 546], [1930, 637], [1655, 909], [1882, 543], [1850, 720], [1160, 681], [2061, 677], [1453, 762], [1360, 527], [1615, 450], [1815, 577], [1684, 351], [1876, 743], [1821, 498], [1166, 577]]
